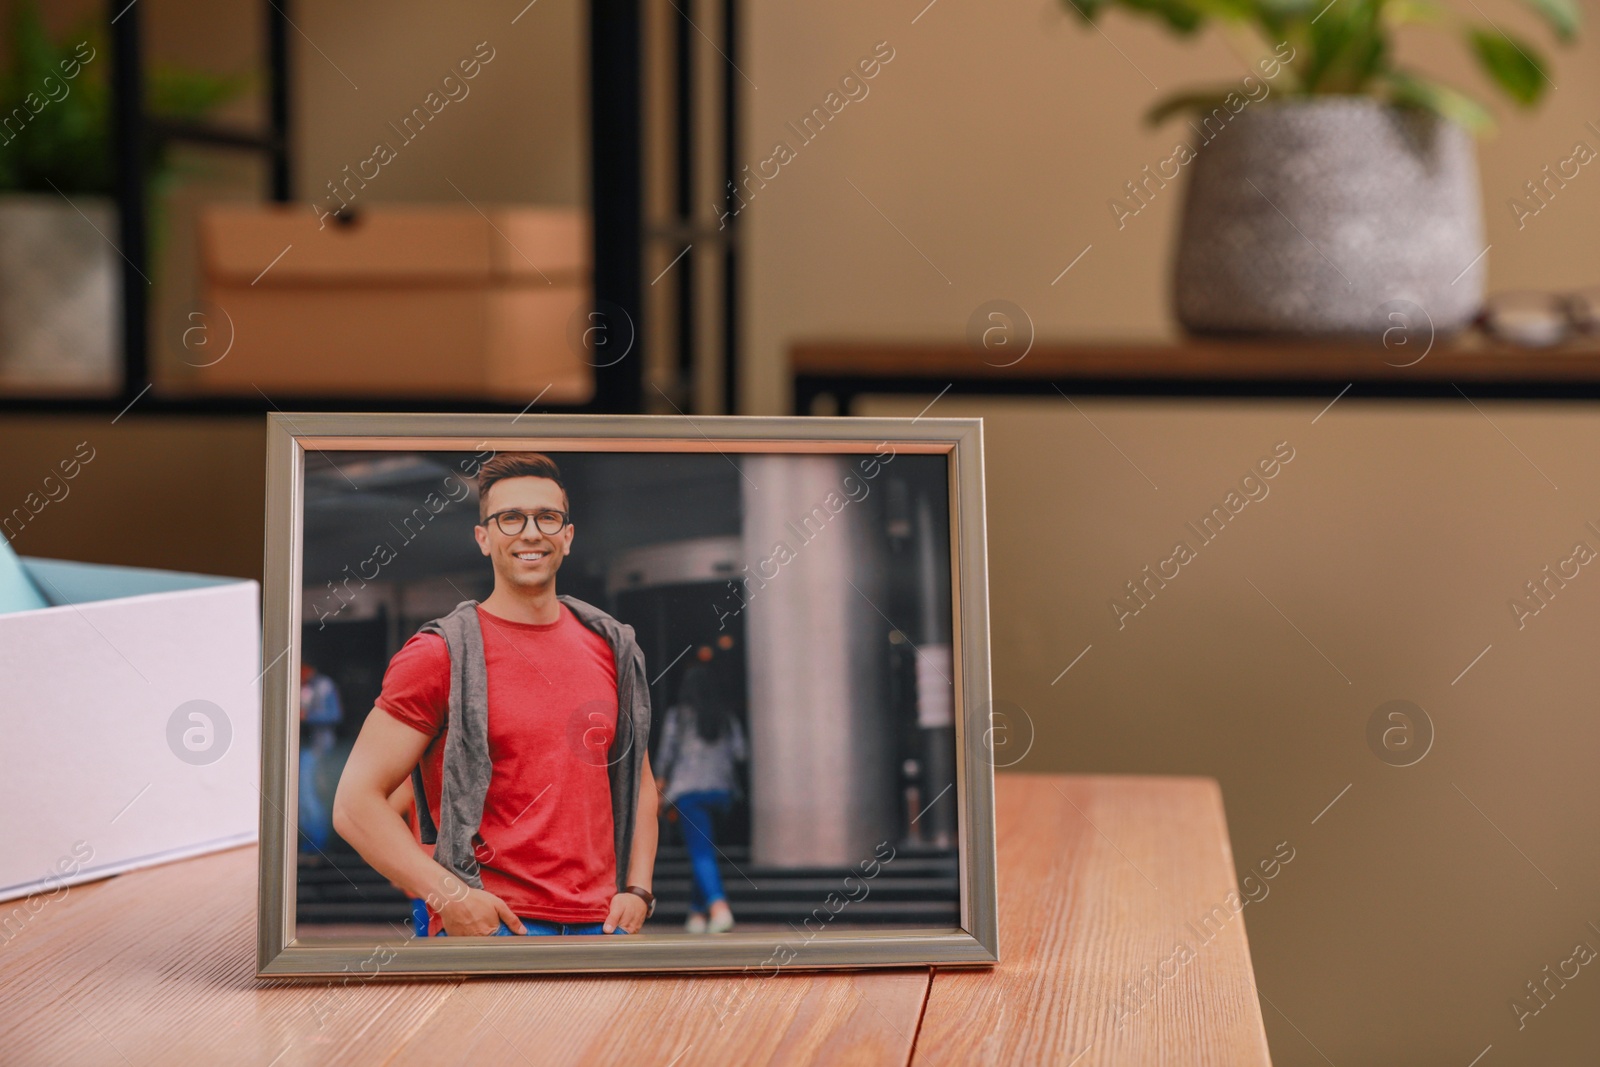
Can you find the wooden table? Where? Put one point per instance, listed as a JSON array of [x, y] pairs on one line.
[[1100, 879], [844, 370]]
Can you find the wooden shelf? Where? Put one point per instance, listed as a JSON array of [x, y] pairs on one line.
[[847, 369]]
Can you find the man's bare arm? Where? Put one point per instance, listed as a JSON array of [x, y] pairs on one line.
[[628, 910], [400, 799], [384, 753], [646, 829]]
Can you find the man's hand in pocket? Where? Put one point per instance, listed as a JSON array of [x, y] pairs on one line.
[[628, 911], [479, 914]]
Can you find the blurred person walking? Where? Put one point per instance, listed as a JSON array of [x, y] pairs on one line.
[[320, 715], [701, 746]]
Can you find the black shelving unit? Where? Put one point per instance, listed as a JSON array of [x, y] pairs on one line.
[[615, 87], [686, 237]]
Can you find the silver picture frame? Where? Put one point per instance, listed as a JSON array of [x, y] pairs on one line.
[[290, 437]]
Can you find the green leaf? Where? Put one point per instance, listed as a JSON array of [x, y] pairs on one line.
[[63, 138], [1228, 10], [1348, 46], [177, 93], [1290, 9], [1562, 15], [1178, 103], [55, 93], [1411, 90], [1415, 13], [1511, 64], [1179, 15]]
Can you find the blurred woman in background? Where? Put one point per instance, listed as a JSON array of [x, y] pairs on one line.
[[320, 714], [701, 746]]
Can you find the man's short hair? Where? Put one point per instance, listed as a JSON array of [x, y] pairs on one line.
[[516, 465]]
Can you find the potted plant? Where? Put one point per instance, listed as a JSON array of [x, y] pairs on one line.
[[58, 266], [1331, 184]]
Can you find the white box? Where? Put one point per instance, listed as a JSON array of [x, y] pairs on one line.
[[107, 767]]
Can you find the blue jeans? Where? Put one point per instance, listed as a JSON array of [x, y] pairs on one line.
[[419, 917], [696, 810], [316, 822], [540, 928]]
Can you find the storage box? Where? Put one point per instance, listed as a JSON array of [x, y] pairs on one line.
[[131, 718], [431, 300]]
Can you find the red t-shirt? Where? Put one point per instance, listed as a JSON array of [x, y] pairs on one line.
[[547, 847]]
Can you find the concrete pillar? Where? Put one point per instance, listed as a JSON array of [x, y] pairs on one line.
[[822, 775], [935, 677]]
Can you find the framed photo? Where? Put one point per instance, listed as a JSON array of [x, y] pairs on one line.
[[624, 693]]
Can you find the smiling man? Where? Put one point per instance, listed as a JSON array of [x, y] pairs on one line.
[[524, 722]]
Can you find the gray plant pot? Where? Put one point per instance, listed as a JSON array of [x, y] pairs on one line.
[[58, 290], [1322, 217]]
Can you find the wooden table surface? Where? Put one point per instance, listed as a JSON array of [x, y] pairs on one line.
[[1106, 884]]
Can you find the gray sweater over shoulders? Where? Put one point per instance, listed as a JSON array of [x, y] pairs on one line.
[[466, 771]]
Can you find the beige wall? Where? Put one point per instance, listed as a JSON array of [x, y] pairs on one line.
[[521, 134], [994, 140], [181, 494], [1391, 544]]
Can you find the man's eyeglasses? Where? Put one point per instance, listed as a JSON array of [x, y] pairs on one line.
[[548, 522]]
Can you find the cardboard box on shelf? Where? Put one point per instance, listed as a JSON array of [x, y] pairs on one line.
[[131, 714], [406, 300]]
